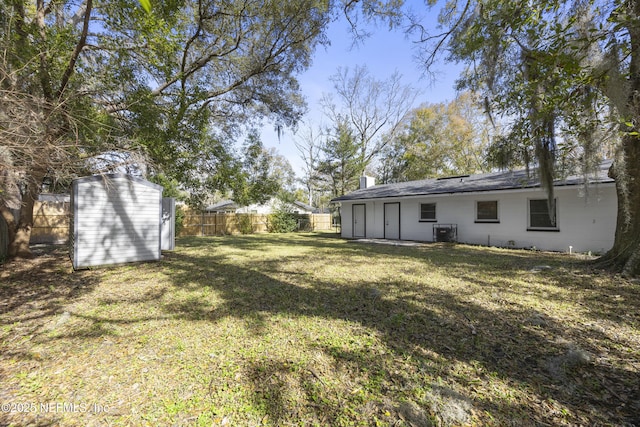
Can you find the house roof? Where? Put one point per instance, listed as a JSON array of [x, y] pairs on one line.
[[495, 181], [230, 204], [221, 205], [54, 197], [304, 206]]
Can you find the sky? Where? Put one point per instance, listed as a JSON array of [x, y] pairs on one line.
[[383, 53]]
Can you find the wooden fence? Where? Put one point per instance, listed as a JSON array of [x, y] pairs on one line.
[[196, 223], [51, 223]]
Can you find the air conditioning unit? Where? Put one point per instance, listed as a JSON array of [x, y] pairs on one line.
[[445, 232]]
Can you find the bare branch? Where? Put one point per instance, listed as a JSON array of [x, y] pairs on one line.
[[76, 52]]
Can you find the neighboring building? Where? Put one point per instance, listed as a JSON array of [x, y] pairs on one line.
[[507, 209], [224, 206], [54, 198], [229, 206]]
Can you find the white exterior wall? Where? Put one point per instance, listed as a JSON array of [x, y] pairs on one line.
[[115, 220], [585, 223], [374, 218]]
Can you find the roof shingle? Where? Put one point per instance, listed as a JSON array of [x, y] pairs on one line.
[[495, 181]]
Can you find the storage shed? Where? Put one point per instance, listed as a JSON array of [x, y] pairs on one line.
[[115, 219]]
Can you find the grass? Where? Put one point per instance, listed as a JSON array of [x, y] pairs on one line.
[[307, 329]]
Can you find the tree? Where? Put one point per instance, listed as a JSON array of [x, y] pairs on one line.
[[164, 89], [560, 71], [262, 174], [308, 144], [372, 109], [437, 140], [341, 164]]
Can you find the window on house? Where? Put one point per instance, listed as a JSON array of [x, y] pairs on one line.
[[487, 211], [428, 212], [539, 218]]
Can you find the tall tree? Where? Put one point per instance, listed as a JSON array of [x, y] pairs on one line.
[[78, 79], [262, 173], [308, 144], [373, 109], [437, 140], [341, 164], [556, 69]]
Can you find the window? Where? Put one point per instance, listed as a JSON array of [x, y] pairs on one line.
[[487, 211], [428, 212], [539, 218]]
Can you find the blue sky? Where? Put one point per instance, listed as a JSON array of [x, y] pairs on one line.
[[383, 53]]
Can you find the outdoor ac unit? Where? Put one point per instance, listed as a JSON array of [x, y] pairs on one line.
[[445, 232]]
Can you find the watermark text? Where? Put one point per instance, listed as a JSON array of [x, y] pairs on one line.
[[53, 407]]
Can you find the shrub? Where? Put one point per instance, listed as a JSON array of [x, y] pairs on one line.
[[179, 220], [282, 221], [245, 224]]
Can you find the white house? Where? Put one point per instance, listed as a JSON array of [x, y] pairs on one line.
[[229, 206], [507, 209]]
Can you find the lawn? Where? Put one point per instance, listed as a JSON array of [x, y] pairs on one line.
[[308, 329]]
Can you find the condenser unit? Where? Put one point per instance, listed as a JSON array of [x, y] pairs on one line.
[[445, 232]]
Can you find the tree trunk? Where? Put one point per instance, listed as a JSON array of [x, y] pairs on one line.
[[20, 236], [11, 224], [624, 256]]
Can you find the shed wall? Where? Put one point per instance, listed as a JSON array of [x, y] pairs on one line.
[[585, 223], [115, 220]]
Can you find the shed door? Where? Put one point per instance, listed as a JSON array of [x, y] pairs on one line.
[[359, 221], [392, 221], [168, 232]]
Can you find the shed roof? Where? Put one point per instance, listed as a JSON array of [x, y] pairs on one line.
[[113, 176], [494, 181]]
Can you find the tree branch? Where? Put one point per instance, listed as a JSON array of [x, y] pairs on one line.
[[68, 72], [429, 61]]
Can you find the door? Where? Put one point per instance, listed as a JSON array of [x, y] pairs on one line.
[[167, 230], [359, 221], [392, 221]]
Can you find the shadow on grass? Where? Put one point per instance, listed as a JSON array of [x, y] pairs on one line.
[[31, 289], [33, 294], [521, 347], [440, 347]]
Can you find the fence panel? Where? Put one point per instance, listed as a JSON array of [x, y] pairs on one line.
[[50, 222], [321, 222], [219, 224]]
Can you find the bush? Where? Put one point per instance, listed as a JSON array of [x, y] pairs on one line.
[[245, 224], [282, 221], [179, 220]]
